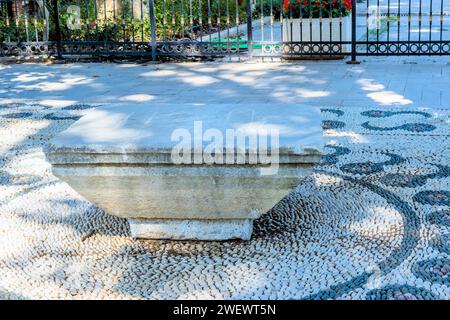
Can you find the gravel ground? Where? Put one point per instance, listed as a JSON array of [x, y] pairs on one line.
[[372, 222]]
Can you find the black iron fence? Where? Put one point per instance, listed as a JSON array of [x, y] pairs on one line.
[[156, 29], [406, 27]]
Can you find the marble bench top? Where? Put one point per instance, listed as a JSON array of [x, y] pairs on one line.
[[148, 128]]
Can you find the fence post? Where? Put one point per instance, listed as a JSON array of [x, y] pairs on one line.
[[249, 30], [353, 60], [57, 29], [153, 29]]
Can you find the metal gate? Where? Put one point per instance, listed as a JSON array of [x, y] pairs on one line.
[[240, 29], [406, 27]]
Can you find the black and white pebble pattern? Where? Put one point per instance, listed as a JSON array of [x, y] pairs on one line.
[[370, 223]]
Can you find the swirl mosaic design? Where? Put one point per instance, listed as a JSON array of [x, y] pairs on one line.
[[371, 167], [333, 158], [78, 107], [413, 127], [372, 222], [385, 114], [7, 179], [337, 112], [405, 292], [54, 116], [442, 244], [17, 115], [434, 271], [5, 106], [411, 180], [333, 124], [433, 198], [439, 217]]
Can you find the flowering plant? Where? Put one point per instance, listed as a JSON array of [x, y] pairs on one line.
[[317, 8]]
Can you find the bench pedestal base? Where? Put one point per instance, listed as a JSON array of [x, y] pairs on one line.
[[125, 158], [192, 229]]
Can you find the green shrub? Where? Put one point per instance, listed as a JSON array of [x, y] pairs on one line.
[[27, 30], [266, 7]]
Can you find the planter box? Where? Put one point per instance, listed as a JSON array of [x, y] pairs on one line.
[[301, 32], [120, 158]]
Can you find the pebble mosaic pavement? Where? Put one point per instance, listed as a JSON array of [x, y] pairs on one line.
[[372, 222]]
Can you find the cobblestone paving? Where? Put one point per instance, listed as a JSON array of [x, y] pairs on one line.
[[372, 222]]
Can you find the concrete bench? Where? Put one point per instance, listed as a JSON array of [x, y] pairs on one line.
[[200, 172]]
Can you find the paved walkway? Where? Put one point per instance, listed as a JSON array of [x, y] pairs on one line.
[[406, 82]]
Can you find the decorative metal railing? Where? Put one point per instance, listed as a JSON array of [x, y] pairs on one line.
[[179, 29], [24, 27], [405, 27]]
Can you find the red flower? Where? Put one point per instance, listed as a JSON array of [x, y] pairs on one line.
[[348, 4]]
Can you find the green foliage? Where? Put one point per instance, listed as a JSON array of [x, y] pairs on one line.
[[21, 29], [317, 8], [199, 16], [174, 19], [266, 7]]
